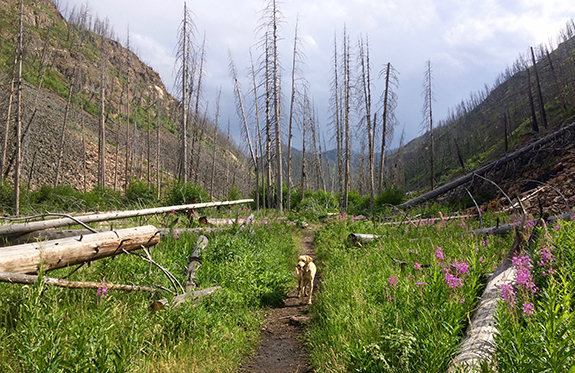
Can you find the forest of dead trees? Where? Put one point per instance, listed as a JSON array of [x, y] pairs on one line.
[[113, 121]]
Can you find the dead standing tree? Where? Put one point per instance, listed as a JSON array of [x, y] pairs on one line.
[[18, 162], [271, 20], [389, 102], [427, 112], [184, 61]]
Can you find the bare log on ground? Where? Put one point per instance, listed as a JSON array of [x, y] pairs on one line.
[[483, 170], [504, 228], [178, 300], [22, 228], [75, 250], [19, 278], [195, 263], [360, 238], [479, 343]]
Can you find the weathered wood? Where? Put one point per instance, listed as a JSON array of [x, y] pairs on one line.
[[162, 304], [195, 263], [483, 170], [21, 228], [504, 228], [479, 343], [49, 234], [19, 278], [74, 250], [359, 238]]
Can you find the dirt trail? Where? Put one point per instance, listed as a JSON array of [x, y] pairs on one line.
[[281, 348]]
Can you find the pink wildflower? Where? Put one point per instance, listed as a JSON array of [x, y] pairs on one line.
[[393, 281], [528, 309], [417, 266], [102, 292], [453, 281], [439, 253], [508, 294]]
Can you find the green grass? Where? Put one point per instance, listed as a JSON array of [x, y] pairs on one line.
[[373, 315], [49, 329]]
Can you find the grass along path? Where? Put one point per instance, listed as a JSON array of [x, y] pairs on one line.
[[281, 348]]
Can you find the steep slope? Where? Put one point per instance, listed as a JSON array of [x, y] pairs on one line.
[[59, 53]]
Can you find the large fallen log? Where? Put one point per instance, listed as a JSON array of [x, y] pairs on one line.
[[483, 170], [22, 228], [19, 278], [64, 252]]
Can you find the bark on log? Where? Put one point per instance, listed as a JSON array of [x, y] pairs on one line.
[[74, 250], [21, 228], [162, 304], [49, 234], [195, 263], [479, 343], [19, 278], [359, 238], [483, 170]]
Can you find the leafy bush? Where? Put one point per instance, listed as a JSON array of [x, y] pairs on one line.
[[184, 193], [141, 193], [390, 196]]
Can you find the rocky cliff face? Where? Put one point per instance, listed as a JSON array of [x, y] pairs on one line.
[[58, 54]]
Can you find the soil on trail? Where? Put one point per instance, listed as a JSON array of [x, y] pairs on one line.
[[281, 348]]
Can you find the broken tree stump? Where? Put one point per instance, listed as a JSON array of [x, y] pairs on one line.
[[65, 252], [195, 263]]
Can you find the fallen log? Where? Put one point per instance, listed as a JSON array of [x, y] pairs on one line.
[[478, 345], [49, 234], [195, 263], [22, 228], [162, 304], [504, 228], [359, 238], [19, 278], [483, 170], [64, 252]]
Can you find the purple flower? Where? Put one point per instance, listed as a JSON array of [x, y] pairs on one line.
[[462, 300], [462, 267], [420, 283], [453, 281], [393, 281], [528, 309], [439, 254], [557, 228], [417, 266], [508, 294], [481, 260], [176, 236], [102, 292], [173, 212]]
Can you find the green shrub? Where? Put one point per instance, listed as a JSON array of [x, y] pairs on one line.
[[141, 193], [184, 193]]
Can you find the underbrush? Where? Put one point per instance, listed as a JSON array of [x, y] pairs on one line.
[[49, 329]]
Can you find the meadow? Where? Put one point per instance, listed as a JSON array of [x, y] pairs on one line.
[[400, 303]]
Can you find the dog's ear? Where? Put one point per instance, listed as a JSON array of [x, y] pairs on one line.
[[308, 259]]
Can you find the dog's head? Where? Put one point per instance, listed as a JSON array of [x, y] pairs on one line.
[[303, 261]]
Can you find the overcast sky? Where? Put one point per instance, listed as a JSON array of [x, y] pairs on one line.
[[469, 43]]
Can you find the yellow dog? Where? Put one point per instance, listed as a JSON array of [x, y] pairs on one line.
[[305, 272]]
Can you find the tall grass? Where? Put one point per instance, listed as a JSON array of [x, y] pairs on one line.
[[49, 329], [536, 323], [376, 315]]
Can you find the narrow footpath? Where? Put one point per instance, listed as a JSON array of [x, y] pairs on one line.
[[281, 348]]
